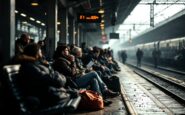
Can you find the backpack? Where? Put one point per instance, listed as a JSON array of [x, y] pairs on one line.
[[91, 100], [113, 83]]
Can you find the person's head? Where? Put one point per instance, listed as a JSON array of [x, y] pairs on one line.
[[33, 50], [90, 49], [41, 43], [96, 51], [77, 51], [83, 45], [25, 39], [102, 52], [72, 46], [62, 50]]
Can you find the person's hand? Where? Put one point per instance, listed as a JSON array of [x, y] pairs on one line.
[[89, 69], [83, 73], [73, 92], [71, 58], [45, 62], [103, 67]]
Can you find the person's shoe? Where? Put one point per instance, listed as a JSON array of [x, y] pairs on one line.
[[111, 94], [118, 69], [114, 72], [107, 102]]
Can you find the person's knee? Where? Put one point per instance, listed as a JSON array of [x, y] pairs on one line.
[[94, 73], [95, 85], [94, 81]]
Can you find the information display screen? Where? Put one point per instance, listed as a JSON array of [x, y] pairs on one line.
[[89, 18]]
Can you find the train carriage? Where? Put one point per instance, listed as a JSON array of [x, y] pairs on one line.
[[171, 51]]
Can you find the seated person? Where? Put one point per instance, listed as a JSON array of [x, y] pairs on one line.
[[37, 80], [97, 65], [20, 57], [64, 63], [107, 60], [77, 52]]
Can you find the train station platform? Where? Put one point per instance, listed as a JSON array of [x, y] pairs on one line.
[[138, 97], [145, 98]]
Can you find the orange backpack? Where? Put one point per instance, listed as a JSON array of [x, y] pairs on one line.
[[91, 100]]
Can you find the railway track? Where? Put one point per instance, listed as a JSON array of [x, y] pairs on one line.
[[167, 69], [143, 98], [174, 88]]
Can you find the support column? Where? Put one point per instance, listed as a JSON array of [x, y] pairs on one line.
[[130, 35], [84, 38], [64, 27], [51, 33], [7, 31], [74, 31], [78, 35], [152, 15], [71, 30]]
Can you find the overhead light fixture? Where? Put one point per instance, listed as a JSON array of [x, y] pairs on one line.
[[101, 11], [24, 22], [38, 21], [42, 24], [16, 11], [34, 3], [102, 25], [32, 19], [22, 14], [58, 23]]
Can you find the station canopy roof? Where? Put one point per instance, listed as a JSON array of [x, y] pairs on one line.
[[114, 10]]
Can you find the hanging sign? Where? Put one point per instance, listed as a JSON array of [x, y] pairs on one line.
[[89, 18]]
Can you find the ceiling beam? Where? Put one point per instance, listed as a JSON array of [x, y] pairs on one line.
[[63, 2], [77, 3], [124, 9], [134, 24], [162, 3]]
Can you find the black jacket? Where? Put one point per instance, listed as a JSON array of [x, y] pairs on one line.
[[65, 67], [38, 80]]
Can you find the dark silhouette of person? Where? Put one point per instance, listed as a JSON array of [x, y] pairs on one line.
[[124, 56], [139, 55], [23, 41], [182, 57], [156, 55]]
